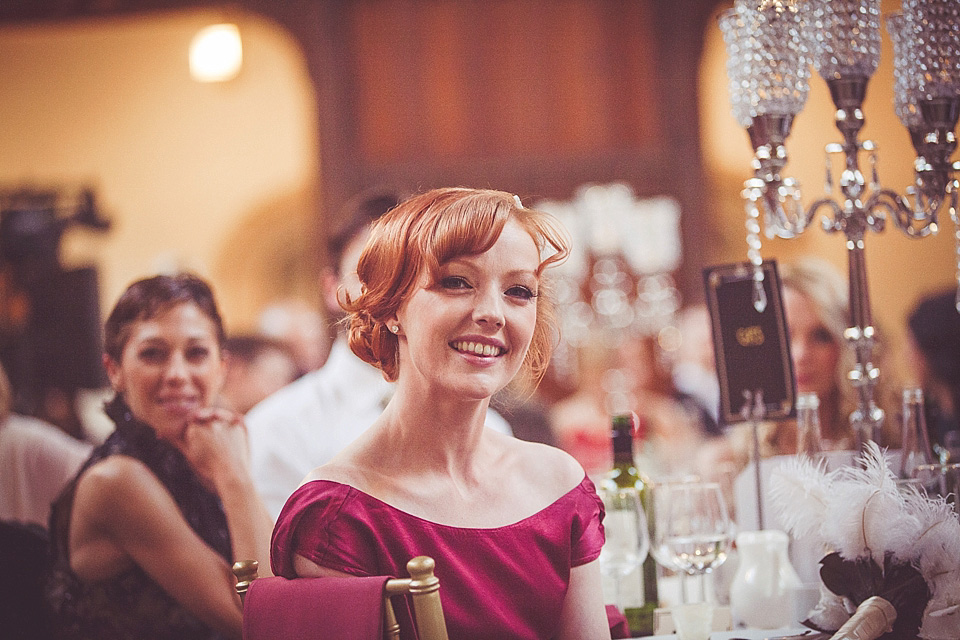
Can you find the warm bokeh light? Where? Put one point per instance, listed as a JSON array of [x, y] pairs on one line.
[[216, 53]]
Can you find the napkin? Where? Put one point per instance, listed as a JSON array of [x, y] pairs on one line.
[[280, 609]]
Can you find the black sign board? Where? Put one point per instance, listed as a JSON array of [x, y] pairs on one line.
[[752, 346]]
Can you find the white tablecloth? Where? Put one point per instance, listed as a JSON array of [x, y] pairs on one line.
[[749, 634]]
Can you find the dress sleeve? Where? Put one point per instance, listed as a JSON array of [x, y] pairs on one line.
[[303, 526], [587, 528]]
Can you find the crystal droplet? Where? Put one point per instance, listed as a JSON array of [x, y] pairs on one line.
[[759, 294]]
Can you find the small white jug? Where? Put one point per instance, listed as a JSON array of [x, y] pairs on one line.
[[761, 594]]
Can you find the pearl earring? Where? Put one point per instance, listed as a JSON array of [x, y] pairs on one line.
[[395, 328]]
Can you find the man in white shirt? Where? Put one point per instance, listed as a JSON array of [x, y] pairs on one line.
[[37, 460], [305, 424]]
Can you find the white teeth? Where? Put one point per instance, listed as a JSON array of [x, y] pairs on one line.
[[478, 349]]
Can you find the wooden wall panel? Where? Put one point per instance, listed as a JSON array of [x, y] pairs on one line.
[[491, 78]]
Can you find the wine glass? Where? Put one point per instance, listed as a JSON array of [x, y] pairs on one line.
[[692, 531], [662, 558], [627, 540]]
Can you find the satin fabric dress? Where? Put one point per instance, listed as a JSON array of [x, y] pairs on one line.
[[500, 582]]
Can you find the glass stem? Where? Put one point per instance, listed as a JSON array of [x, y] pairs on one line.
[[616, 591]]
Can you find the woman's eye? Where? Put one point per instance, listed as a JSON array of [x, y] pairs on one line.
[[152, 354], [454, 282], [195, 354], [822, 336], [520, 292]]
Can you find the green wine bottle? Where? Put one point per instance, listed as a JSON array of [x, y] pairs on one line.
[[627, 429]]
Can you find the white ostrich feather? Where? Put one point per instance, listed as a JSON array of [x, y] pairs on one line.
[[868, 521], [874, 470], [945, 589], [864, 503], [941, 627], [936, 549], [799, 492], [941, 619]]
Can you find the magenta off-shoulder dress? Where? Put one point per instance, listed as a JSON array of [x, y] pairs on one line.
[[501, 582]]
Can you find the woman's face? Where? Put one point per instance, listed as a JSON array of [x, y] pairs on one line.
[[815, 352], [469, 331], [170, 367]]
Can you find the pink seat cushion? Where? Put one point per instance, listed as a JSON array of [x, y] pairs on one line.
[[337, 608]]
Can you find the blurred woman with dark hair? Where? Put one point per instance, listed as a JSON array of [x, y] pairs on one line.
[[934, 355], [144, 537]]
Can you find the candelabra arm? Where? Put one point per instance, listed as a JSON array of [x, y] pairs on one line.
[[833, 222], [917, 221], [934, 141]]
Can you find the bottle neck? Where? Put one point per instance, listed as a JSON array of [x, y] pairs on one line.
[[808, 416], [808, 429], [624, 472], [622, 459], [915, 445]]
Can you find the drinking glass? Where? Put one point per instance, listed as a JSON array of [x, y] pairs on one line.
[[693, 531], [665, 560], [627, 541]]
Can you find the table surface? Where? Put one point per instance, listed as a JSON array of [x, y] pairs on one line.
[[748, 634]]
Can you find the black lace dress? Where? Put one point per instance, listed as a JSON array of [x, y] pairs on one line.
[[131, 606]]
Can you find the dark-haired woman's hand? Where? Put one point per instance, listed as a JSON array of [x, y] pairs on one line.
[[215, 443]]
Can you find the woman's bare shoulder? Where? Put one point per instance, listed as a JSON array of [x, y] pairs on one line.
[[116, 476], [119, 489], [342, 471], [547, 466]]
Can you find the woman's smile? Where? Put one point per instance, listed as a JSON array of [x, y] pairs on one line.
[[478, 348], [180, 404]]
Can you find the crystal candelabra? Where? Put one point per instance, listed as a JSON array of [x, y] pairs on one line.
[[770, 47]]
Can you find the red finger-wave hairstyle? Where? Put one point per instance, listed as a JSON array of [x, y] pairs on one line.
[[427, 231]]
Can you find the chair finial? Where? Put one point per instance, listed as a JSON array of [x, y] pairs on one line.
[[246, 572]]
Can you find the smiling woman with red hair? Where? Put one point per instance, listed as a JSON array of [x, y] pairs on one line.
[[453, 306]]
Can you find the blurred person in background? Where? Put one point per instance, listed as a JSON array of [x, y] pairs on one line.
[[815, 299], [144, 537], [37, 459], [694, 369], [302, 327], [933, 351], [256, 366], [306, 423]]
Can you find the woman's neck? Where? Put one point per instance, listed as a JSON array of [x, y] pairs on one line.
[[443, 433]]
